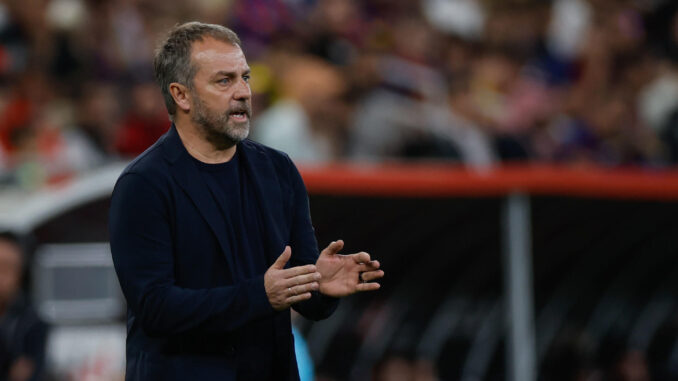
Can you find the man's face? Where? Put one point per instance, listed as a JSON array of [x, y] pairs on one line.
[[10, 271], [221, 94]]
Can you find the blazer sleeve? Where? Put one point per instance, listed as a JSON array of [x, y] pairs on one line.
[[141, 245], [305, 249]]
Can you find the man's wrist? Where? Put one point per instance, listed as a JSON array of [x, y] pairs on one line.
[[260, 302]]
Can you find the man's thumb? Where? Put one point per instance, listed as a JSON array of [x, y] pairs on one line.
[[335, 246], [283, 258]]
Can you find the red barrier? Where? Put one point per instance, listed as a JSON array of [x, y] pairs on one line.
[[416, 180]]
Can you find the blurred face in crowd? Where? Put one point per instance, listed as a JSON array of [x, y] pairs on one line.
[[10, 271], [221, 95], [395, 369]]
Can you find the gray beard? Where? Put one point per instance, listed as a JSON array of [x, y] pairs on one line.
[[216, 128]]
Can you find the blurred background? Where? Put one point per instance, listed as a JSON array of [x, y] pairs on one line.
[[482, 283]]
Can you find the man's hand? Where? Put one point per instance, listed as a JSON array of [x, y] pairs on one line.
[[346, 274], [285, 287]]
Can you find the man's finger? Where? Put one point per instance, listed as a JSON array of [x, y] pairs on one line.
[[304, 288], [369, 276], [370, 286], [334, 247], [370, 266], [298, 270], [302, 279], [283, 258], [361, 257], [298, 298]]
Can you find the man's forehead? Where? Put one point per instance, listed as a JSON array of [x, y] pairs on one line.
[[213, 51]]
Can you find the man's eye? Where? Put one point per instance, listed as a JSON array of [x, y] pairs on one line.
[[246, 77], [224, 81]]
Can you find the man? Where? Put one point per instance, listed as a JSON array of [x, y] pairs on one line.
[[22, 333], [198, 224]]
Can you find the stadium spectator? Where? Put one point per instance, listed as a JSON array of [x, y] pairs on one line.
[[144, 123], [306, 122], [22, 332]]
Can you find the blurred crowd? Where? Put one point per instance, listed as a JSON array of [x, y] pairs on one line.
[[477, 82]]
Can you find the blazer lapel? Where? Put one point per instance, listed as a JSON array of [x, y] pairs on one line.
[[269, 194], [264, 180], [189, 179]]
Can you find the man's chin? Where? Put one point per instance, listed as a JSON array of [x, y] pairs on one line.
[[239, 133], [223, 138]]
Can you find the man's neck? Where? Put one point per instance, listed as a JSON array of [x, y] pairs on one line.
[[200, 148]]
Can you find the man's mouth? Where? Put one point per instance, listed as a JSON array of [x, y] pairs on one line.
[[240, 115]]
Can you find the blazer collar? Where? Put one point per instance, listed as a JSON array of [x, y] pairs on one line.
[[173, 147]]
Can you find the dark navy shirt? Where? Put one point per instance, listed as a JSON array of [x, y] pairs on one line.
[[233, 193]]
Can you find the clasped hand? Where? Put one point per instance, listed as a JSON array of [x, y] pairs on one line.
[[333, 274], [285, 287]]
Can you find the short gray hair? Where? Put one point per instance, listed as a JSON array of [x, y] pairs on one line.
[[172, 61]]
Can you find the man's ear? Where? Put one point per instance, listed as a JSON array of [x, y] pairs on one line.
[[181, 96]]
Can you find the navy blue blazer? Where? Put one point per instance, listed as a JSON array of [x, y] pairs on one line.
[[184, 303]]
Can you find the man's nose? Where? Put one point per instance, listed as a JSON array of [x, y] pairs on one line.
[[242, 91]]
